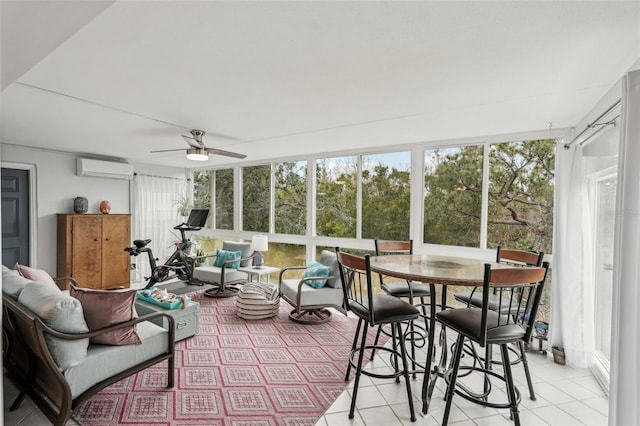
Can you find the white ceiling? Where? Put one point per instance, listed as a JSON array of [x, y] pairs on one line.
[[277, 79]]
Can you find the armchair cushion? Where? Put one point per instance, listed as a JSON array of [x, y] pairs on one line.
[[223, 256], [213, 274], [330, 259], [62, 313], [317, 269], [103, 308], [309, 296], [244, 248]]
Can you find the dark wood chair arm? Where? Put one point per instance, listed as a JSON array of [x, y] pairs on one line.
[[94, 333], [63, 281]]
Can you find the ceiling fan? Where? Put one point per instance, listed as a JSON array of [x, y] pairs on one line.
[[198, 151]]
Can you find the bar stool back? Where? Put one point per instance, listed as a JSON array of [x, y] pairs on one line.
[[374, 310]]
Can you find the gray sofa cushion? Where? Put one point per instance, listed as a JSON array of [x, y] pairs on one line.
[[62, 313], [104, 361], [243, 248], [12, 282], [329, 258]]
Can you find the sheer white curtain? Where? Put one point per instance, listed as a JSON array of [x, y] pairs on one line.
[[624, 388], [571, 297], [155, 213]]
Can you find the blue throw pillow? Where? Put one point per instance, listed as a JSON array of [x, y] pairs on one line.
[[317, 269], [225, 255]]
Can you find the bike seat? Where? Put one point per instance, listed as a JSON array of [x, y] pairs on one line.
[[141, 243]]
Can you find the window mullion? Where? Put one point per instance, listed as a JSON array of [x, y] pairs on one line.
[[312, 190], [272, 199], [416, 219], [359, 198], [237, 210], [213, 201], [484, 211]]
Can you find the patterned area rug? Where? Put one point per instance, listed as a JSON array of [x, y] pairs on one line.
[[235, 372]]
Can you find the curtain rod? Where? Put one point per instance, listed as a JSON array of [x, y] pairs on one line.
[[595, 123], [161, 177]]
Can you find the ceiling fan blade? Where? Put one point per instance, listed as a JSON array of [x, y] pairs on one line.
[[225, 153], [192, 142], [223, 136], [168, 150]]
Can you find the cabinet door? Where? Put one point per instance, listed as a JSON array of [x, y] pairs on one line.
[[86, 257], [116, 234]]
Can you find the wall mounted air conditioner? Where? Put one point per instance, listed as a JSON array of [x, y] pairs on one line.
[[104, 169]]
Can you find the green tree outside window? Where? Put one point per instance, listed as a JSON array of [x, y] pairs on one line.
[[224, 198], [256, 190], [291, 198]]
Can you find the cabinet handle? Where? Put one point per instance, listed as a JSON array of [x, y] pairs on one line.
[[95, 239], [181, 324], [106, 239]]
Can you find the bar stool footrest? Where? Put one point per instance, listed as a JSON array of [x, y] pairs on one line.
[[480, 398]]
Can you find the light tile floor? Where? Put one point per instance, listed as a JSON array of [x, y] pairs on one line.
[[565, 396]]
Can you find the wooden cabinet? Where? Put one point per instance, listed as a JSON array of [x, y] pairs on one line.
[[91, 249]]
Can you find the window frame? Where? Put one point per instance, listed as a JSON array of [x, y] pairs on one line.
[[311, 239]]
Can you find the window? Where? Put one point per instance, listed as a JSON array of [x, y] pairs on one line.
[[336, 197], [519, 193], [223, 208], [202, 192], [386, 196], [283, 255], [453, 195], [521, 187], [291, 198], [256, 196]]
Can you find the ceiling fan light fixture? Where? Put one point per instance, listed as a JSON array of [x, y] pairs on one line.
[[197, 154]]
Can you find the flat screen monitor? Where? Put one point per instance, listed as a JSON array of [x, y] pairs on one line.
[[197, 218]]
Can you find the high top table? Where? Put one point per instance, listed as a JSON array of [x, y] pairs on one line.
[[432, 270]]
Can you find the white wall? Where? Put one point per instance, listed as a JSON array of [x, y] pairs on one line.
[[56, 187]]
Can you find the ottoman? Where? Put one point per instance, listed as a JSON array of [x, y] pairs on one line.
[[257, 300], [187, 320]]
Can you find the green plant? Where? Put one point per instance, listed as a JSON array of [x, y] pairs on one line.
[[184, 205]]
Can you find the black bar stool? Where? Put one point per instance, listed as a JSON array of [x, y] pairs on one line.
[[374, 310], [521, 289]]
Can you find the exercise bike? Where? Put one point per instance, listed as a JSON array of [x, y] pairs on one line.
[[180, 263]]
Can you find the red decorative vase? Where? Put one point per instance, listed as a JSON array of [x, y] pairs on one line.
[[105, 207]]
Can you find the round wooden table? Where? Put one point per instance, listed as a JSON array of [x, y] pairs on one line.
[[433, 269]]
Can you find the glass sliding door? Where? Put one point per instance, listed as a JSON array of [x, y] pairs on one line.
[[604, 192]]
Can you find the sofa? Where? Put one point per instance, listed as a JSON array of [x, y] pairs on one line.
[[51, 353]]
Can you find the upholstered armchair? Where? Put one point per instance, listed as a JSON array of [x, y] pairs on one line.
[[224, 273], [319, 288]]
